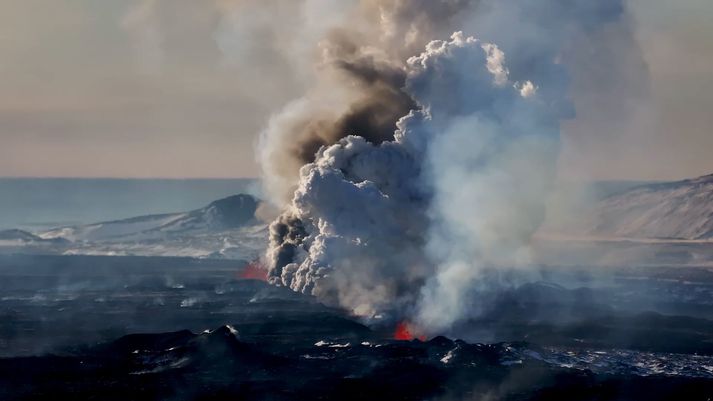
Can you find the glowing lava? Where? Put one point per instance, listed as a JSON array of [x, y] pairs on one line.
[[405, 332], [254, 271]]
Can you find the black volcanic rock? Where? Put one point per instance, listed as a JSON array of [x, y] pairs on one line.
[[145, 342], [282, 345], [217, 365]]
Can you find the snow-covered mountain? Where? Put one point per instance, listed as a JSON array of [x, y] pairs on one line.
[[226, 228], [672, 210], [24, 238], [225, 214]]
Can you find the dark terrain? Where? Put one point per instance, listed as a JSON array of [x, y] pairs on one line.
[[131, 328]]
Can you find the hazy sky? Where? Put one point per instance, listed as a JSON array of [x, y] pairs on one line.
[[123, 88]]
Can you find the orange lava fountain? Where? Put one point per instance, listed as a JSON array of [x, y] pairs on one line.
[[253, 271], [405, 332]]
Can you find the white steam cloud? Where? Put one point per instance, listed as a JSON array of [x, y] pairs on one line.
[[408, 172], [457, 188]]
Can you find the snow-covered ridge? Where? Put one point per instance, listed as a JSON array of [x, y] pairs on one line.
[[228, 213], [226, 228], [672, 210], [20, 237]]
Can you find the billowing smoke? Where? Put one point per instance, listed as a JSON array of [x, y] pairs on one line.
[[360, 74], [410, 173]]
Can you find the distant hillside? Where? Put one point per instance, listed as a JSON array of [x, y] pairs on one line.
[[38, 204], [226, 228], [20, 237], [224, 214], [673, 210]]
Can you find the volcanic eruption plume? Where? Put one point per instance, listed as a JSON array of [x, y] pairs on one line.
[[431, 160]]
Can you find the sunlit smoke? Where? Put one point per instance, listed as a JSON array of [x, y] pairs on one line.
[[406, 174], [369, 223]]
